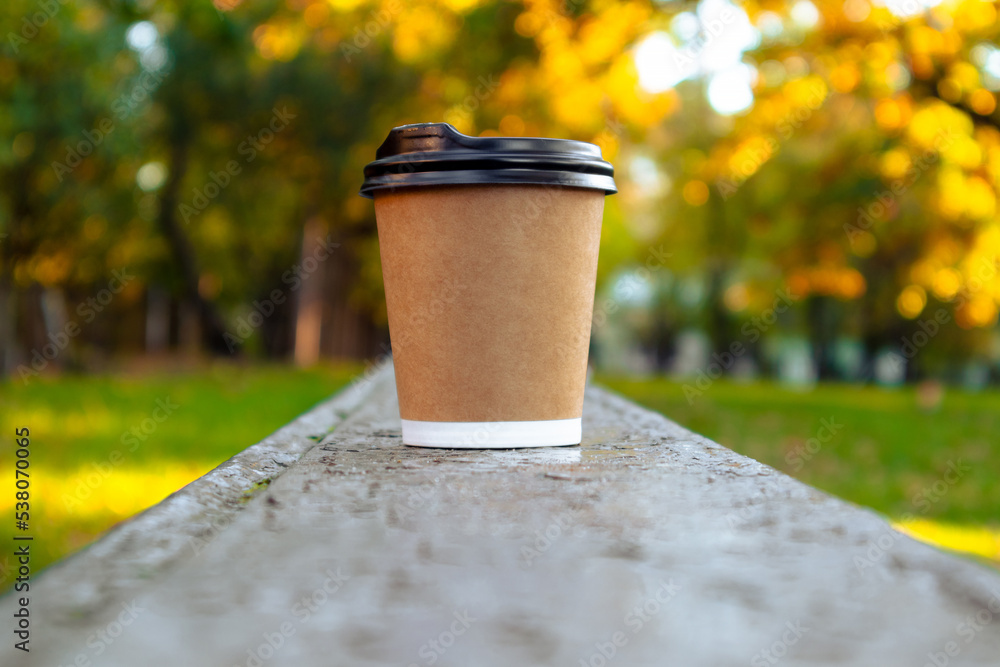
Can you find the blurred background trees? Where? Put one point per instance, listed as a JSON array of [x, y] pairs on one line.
[[814, 181]]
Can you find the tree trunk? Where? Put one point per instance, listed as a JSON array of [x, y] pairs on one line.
[[309, 304], [212, 325], [7, 341], [157, 330], [351, 331], [822, 322]]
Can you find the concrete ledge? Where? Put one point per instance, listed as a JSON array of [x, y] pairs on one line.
[[647, 545], [138, 550]]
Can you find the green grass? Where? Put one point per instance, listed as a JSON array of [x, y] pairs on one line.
[[888, 453], [98, 455], [77, 419]]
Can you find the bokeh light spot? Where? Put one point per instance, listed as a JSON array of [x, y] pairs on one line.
[[729, 92], [911, 301], [151, 176], [695, 192]]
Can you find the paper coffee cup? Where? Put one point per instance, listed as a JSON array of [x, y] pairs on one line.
[[489, 258]]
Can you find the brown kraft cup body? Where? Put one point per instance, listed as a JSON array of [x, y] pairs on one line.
[[490, 294]]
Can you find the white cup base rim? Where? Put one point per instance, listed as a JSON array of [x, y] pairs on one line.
[[493, 435]]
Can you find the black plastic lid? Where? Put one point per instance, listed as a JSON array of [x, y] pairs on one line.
[[438, 154]]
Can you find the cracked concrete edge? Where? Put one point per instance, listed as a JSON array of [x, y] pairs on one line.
[[138, 550]]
